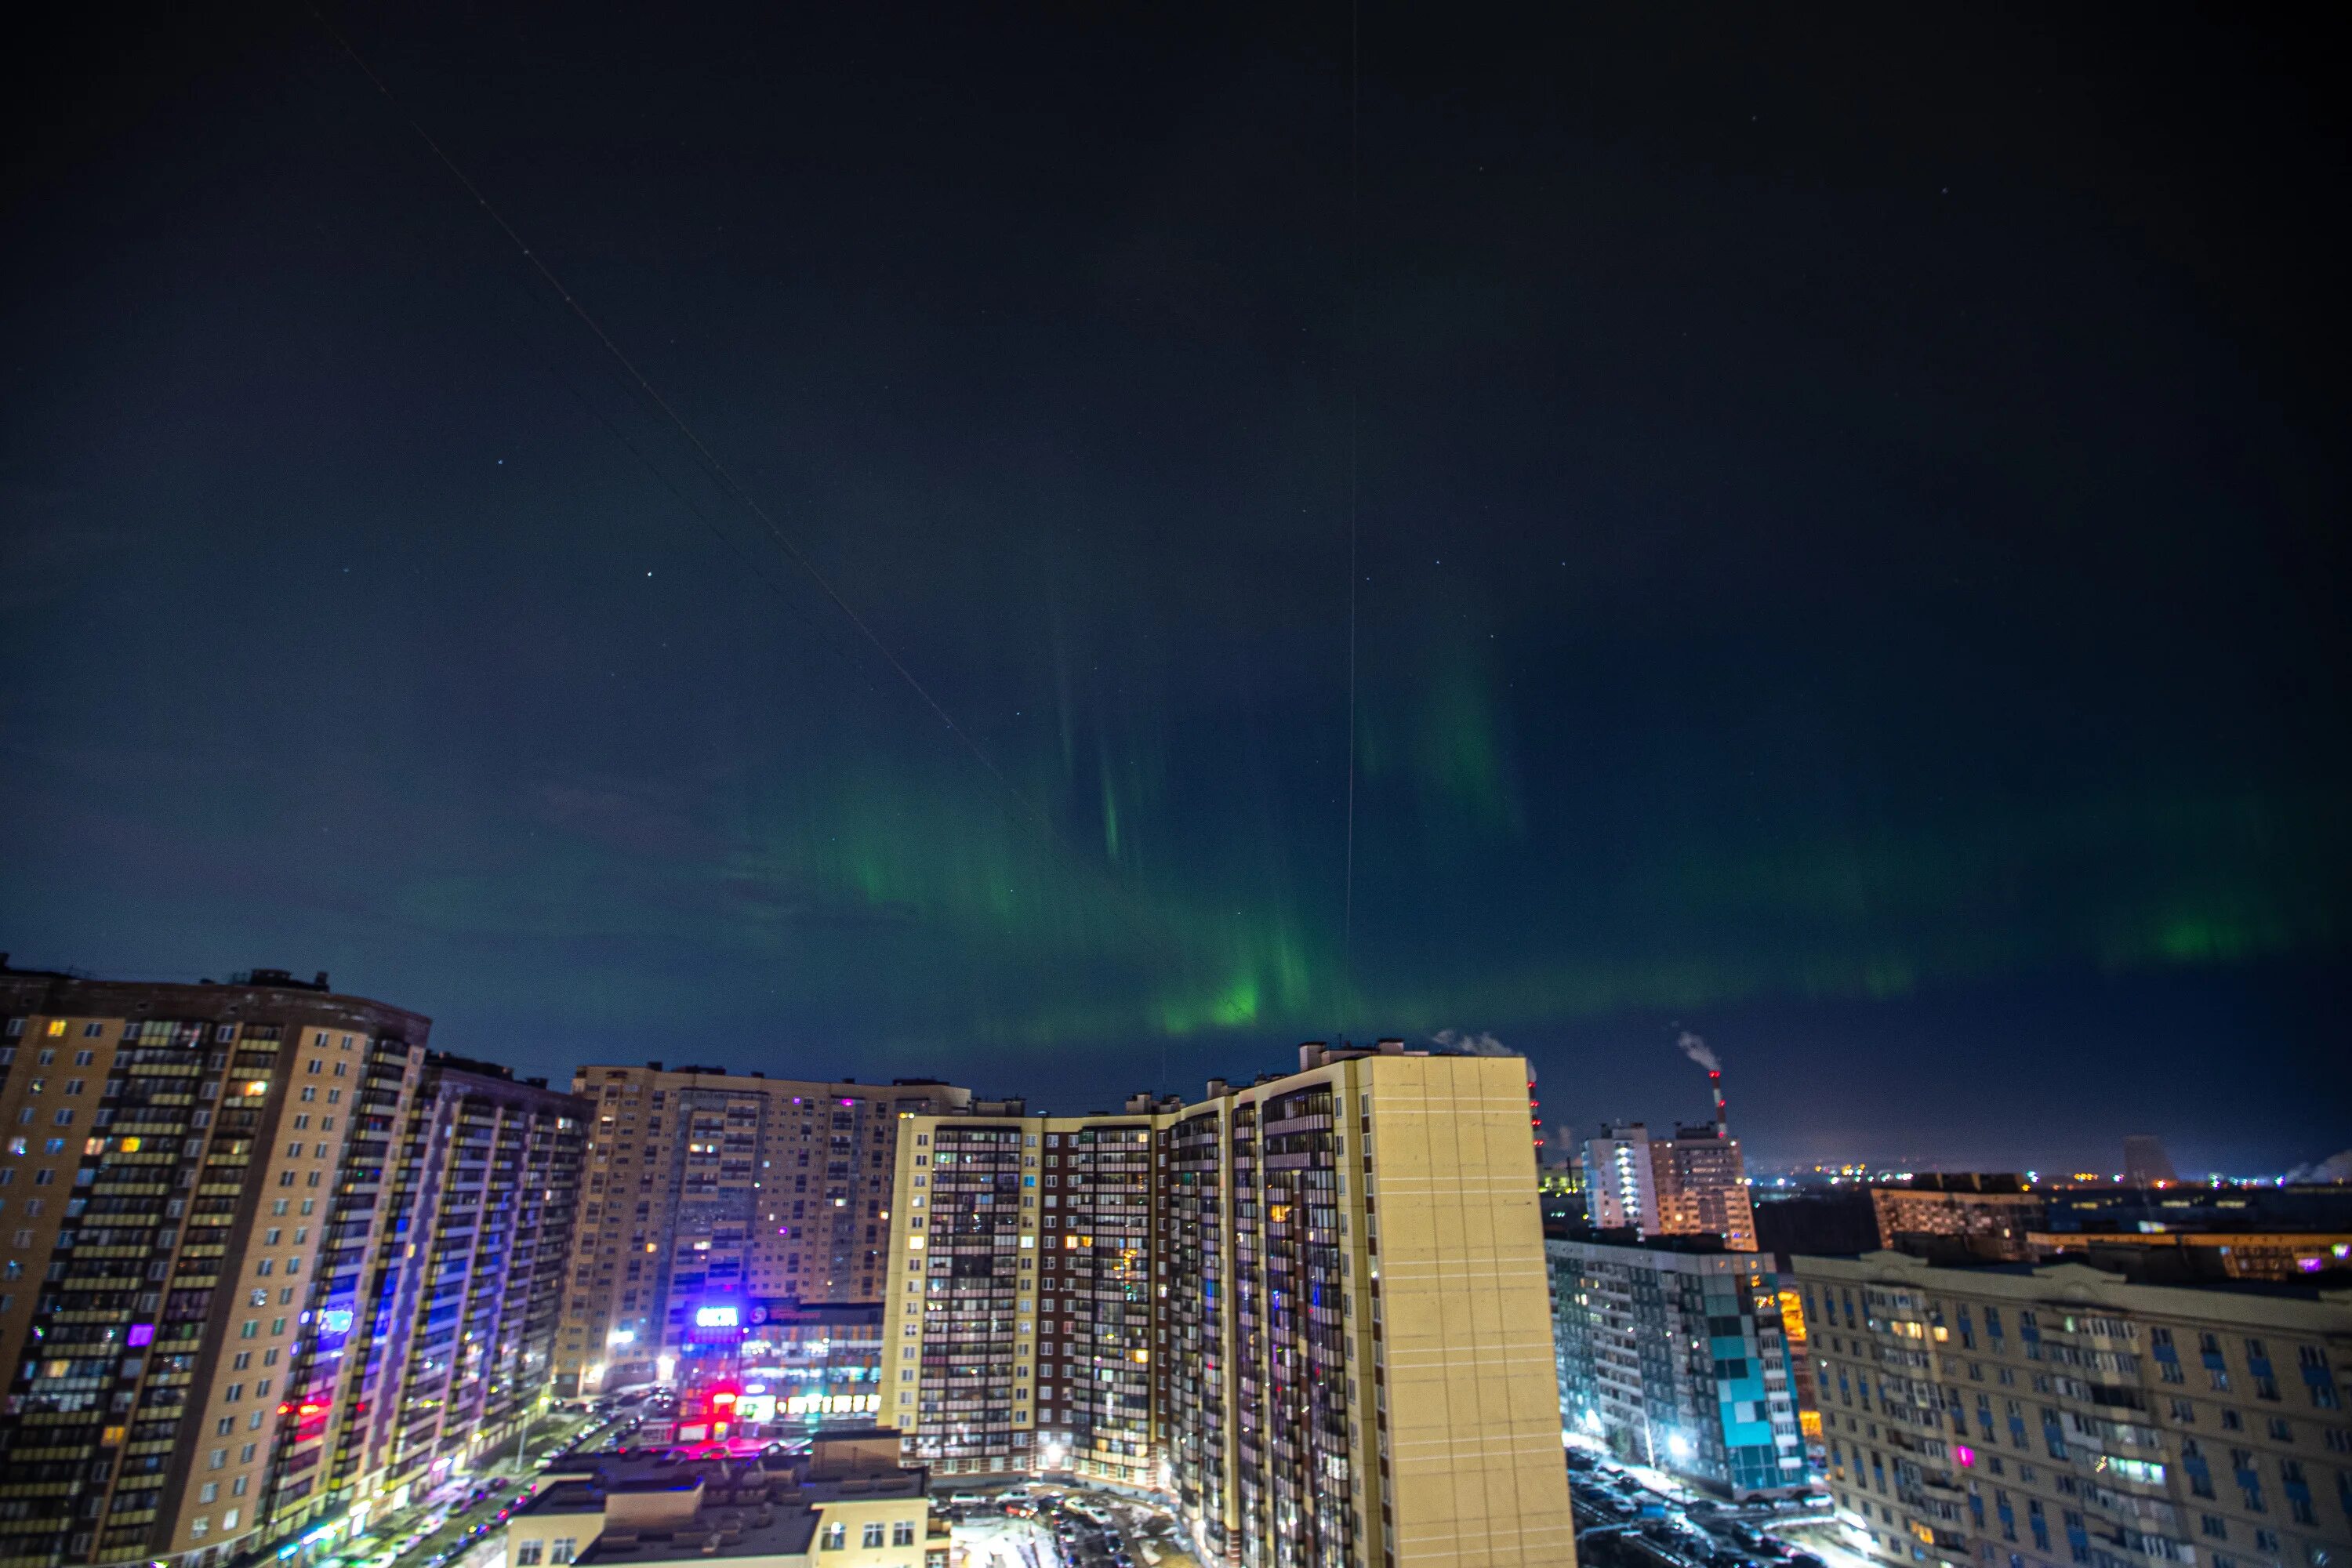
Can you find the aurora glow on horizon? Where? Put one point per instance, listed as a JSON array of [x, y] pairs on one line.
[[1824, 577]]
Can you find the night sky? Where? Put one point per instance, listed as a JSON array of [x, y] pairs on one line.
[[1850, 548]]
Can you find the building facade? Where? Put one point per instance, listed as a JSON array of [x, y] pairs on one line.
[[2028, 1417], [707, 1191], [173, 1182], [1619, 1182], [444, 1343], [1693, 1183], [1309, 1313], [1990, 1216], [1679, 1359], [1701, 1184], [807, 1365]]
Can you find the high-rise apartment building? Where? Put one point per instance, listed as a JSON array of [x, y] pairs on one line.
[[1701, 1183], [1679, 1357], [2034, 1416], [1310, 1313], [169, 1194], [707, 1191], [1693, 1183], [443, 1343], [1620, 1189], [277, 1262]]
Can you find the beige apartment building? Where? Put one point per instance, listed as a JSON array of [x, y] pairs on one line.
[[168, 1194], [2027, 1418], [1701, 1182], [2283, 1256], [708, 1192], [1693, 1183], [269, 1259], [1311, 1313]]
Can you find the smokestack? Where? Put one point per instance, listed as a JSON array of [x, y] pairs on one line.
[[1715, 1081]]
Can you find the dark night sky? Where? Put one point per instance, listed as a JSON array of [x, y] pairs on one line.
[[1852, 537]]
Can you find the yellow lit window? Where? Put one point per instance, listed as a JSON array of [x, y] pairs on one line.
[[57, 1028]]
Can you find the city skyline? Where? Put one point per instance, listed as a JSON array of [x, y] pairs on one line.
[[284, 1280], [1664, 1082]]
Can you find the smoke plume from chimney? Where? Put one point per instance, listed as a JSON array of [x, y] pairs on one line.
[[1695, 1048], [1482, 1044]]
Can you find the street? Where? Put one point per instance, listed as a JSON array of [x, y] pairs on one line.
[[991, 1540], [459, 1521]]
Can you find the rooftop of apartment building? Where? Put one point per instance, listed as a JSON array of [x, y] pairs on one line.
[[2134, 1269], [1699, 1242], [448, 1062], [764, 1530], [859, 1462], [657, 1506], [1988, 1183], [97, 995], [710, 1070], [589, 1496]]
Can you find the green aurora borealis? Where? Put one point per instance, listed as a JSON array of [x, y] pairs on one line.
[[1848, 559]]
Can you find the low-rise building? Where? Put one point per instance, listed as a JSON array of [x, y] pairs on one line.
[[1675, 1353], [849, 1503], [2035, 1416], [804, 1366]]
